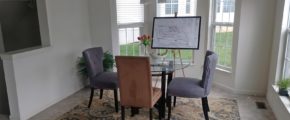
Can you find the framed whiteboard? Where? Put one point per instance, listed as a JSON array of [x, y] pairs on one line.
[[176, 32]]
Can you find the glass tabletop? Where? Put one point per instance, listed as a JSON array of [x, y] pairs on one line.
[[167, 66]]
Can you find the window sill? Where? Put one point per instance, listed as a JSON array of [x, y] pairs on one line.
[[224, 71], [284, 100]]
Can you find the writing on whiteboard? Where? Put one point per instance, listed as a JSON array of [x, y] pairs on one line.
[[176, 32]]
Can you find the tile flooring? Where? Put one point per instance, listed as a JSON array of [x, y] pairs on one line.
[[247, 106]]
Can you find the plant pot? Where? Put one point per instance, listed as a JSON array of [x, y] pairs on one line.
[[283, 92]]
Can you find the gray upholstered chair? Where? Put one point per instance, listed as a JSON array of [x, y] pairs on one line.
[[192, 87], [98, 78]]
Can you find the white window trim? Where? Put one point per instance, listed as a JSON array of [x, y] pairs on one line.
[[214, 24], [286, 40], [139, 25], [131, 25], [285, 59]]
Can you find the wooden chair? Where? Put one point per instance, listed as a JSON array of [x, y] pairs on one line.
[[134, 75]]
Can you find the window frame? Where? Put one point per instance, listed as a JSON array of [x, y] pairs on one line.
[[171, 4], [226, 6], [126, 26], [284, 47], [286, 50], [213, 25]]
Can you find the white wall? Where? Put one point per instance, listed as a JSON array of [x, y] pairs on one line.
[[254, 46], [43, 77], [103, 33], [149, 13]]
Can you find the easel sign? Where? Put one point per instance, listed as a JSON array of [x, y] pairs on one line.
[[176, 32]]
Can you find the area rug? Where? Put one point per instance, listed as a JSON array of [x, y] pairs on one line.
[[186, 109]]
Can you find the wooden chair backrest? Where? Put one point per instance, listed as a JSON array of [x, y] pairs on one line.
[[134, 75]]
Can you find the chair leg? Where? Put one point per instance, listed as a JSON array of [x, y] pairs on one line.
[[116, 99], [91, 97], [101, 93], [122, 113], [208, 110], [159, 112], [134, 111], [174, 102], [206, 103], [205, 107], [150, 113], [169, 102]]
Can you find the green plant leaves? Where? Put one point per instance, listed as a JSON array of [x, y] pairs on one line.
[[284, 84], [108, 61]]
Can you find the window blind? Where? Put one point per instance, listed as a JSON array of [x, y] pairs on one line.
[[130, 11]]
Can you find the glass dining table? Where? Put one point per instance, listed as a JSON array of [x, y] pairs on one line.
[[165, 70]]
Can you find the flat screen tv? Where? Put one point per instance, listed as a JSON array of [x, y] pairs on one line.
[[176, 32]]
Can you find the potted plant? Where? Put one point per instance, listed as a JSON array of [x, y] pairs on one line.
[[283, 87], [145, 41], [82, 69], [108, 63]]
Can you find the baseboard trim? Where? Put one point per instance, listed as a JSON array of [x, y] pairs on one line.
[[51, 103], [224, 87], [247, 92], [13, 118], [241, 92]]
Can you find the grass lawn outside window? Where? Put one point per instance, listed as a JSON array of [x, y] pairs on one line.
[[223, 48]]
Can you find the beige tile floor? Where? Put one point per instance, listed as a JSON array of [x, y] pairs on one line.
[[246, 104]]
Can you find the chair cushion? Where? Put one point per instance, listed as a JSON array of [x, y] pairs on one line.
[[186, 87], [105, 80]]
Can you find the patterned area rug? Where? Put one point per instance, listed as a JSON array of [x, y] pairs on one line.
[[186, 109]]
